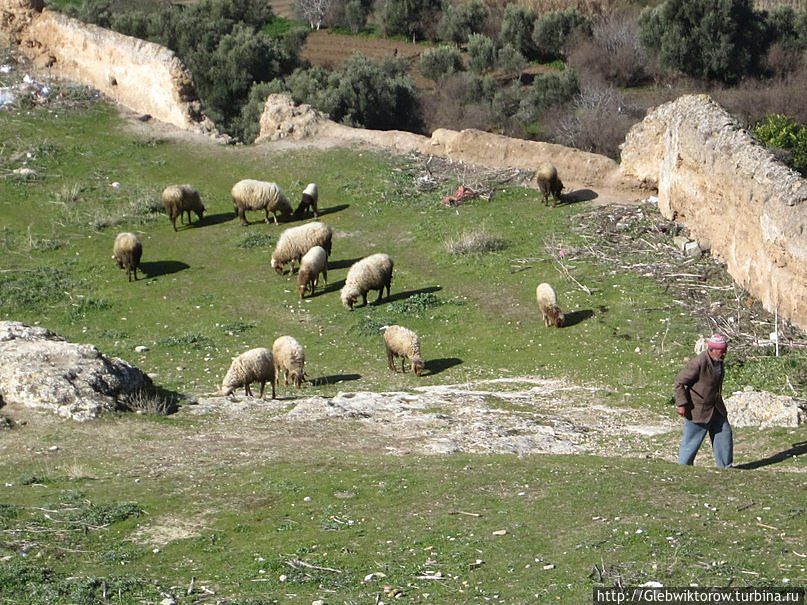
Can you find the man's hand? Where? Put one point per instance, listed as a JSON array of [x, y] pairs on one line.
[[682, 411]]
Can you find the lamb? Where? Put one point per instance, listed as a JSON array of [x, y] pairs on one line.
[[312, 264], [250, 194], [549, 183], [179, 199], [371, 273], [255, 365], [404, 343], [548, 303], [308, 200], [290, 358], [296, 241], [127, 252]]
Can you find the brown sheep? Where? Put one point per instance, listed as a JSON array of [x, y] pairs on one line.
[[549, 183], [548, 303], [127, 252]]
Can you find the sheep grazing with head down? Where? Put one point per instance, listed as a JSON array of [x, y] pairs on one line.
[[179, 199], [314, 262], [294, 242], [256, 365], [127, 252], [308, 200], [404, 343], [250, 194], [290, 359], [548, 303], [371, 273], [549, 183]]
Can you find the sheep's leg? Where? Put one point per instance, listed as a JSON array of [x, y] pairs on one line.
[[263, 385], [174, 222], [247, 390], [273, 388], [286, 377], [242, 214], [391, 361], [325, 275], [403, 361], [364, 297]]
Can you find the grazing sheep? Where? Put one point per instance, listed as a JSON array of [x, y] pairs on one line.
[[371, 273], [312, 264], [290, 358], [250, 194], [127, 252], [294, 242], [179, 199], [255, 365], [548, 303], [402, 342], [549, 183], [308, 200]]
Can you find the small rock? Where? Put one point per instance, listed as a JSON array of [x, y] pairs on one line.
[[549, 566], [500, 532], [283, 577], [168, 601], [141, 349], [318, 602], [53, 448]]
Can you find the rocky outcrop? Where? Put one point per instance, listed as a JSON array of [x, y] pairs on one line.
[[282, 119], [764, 410], [732, 194], [39, 369], [146, 77]]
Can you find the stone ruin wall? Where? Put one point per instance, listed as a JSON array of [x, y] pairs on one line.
[[143, 76], [731, 193]]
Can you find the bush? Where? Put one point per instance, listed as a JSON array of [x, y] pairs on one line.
[[481, 53], [713, 39], [356, 14], [511, 61], [546, 91], [518, 23], [436, 63], [460, 21], [781, 132], [552, 31], [412, 19], [474, 242]]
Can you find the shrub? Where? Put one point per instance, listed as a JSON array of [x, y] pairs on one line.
[[518, 23], [714, 39], [356, 14], [481, 53], [460, 21], [781, 132], [437, 63], [412, 19], [474, 242], [546, 91], [553, 30], [511, 61]]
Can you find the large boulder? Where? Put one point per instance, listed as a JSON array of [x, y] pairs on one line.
[[40, 369], [764, 410]]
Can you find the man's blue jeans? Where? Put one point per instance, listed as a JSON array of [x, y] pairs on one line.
[[719, 434]]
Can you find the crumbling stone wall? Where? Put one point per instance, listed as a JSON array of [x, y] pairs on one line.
[[143, 76], [731, 193]]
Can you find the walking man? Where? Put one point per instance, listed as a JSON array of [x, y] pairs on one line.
[[698, 395]]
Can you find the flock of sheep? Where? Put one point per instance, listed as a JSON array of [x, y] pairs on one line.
[[309, 245]]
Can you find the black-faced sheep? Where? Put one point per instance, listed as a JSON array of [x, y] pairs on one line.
[[127, 252], [308, 200], [371, 273], [296, 241], [549, 183], [255, 365], [250, 194], [179, 199], [290, 359], [402, 342], [314, 262], [548, 303]]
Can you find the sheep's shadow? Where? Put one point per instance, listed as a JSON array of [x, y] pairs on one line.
[[333, 379], [321, 212], [331, 287], [435, 366], [215, 219], [408, 293], [344, 263], [162, 267], [576, 317], [576, 196], [798, 449]]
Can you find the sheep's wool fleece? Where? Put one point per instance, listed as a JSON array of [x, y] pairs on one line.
[[257, 195], [545, 295], [288, 353], [402, 341], [255, 365]]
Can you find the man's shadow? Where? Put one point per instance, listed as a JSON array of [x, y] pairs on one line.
[[797, 450]]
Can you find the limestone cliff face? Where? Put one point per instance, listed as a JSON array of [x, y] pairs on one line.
[[143, 76], [732, 194]]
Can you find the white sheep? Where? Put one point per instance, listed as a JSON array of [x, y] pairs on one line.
[[549, 183], [127, 252], [314, 262], [371, 273], [548, 303], [404, 343], [308, 200], [179, 199], [255, 365], [294, 242], [250, 194], [290, 358]]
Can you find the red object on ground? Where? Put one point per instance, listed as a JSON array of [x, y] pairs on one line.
[[459, 196]]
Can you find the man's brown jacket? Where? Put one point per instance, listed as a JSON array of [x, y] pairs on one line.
[[699, 387]]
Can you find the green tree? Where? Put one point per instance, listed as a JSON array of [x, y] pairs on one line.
[[511, 61], [553, 29], [481, 53], [437, 63], [518, 23], [460, 21], [356, 15], [410, 18], [545, 92], [713, 39]]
